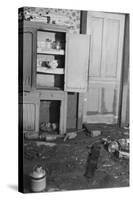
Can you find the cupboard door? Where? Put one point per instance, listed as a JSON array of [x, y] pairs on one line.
[[77, 61], [29, 116], [26, 58], [101, 101], [31, 104]]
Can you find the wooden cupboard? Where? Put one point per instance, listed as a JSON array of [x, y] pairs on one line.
[[52, 62], [38, 55]]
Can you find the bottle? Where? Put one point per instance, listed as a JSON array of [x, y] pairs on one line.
[[58, 45]]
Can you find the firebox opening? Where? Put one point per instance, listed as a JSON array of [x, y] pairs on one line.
[[49, 116]]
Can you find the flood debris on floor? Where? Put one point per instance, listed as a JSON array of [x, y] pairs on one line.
[[83, 162], [48, 127], [93, 133]]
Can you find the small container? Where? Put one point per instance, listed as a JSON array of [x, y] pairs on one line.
[[58, 45], [54, 126], [38, 179], [54, 44], [48, 43], [53, 64]]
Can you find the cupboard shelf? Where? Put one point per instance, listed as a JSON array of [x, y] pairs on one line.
[[51, 51], [50, 71], [49, 88]]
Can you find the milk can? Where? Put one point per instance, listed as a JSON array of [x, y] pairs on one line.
[[38, 179]]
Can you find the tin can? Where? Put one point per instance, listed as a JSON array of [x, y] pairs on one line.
[[38, 179]]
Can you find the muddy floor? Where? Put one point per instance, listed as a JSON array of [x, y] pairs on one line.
[[66, 162]]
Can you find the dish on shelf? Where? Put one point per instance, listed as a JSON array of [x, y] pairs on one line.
[[49, 44], [50, 51], [53, 64], [50, 70]]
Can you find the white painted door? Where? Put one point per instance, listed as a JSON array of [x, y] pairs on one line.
[[101, 101], [77, 61]]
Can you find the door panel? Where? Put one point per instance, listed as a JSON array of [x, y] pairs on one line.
[[101, 101], [71, 110], [30, 109], [108, 99], [96, 26], [29, 117], [77, 60], [110, 48], [93, 104], [27, 60]]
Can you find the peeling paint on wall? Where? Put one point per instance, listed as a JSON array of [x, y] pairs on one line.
[[70, 18]]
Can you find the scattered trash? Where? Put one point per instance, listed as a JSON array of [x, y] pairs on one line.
[[113, 146], [106, 140], [123, 154], [70, 136], [48, 127], [116, 177], [92, 133], [126, 127], [43, 136], [107, 165], [30, 155], [50, 144], [31, 135], [38, 179], [95, 133], [120, 146], [50, 137], [126, 133], [124, 144]]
